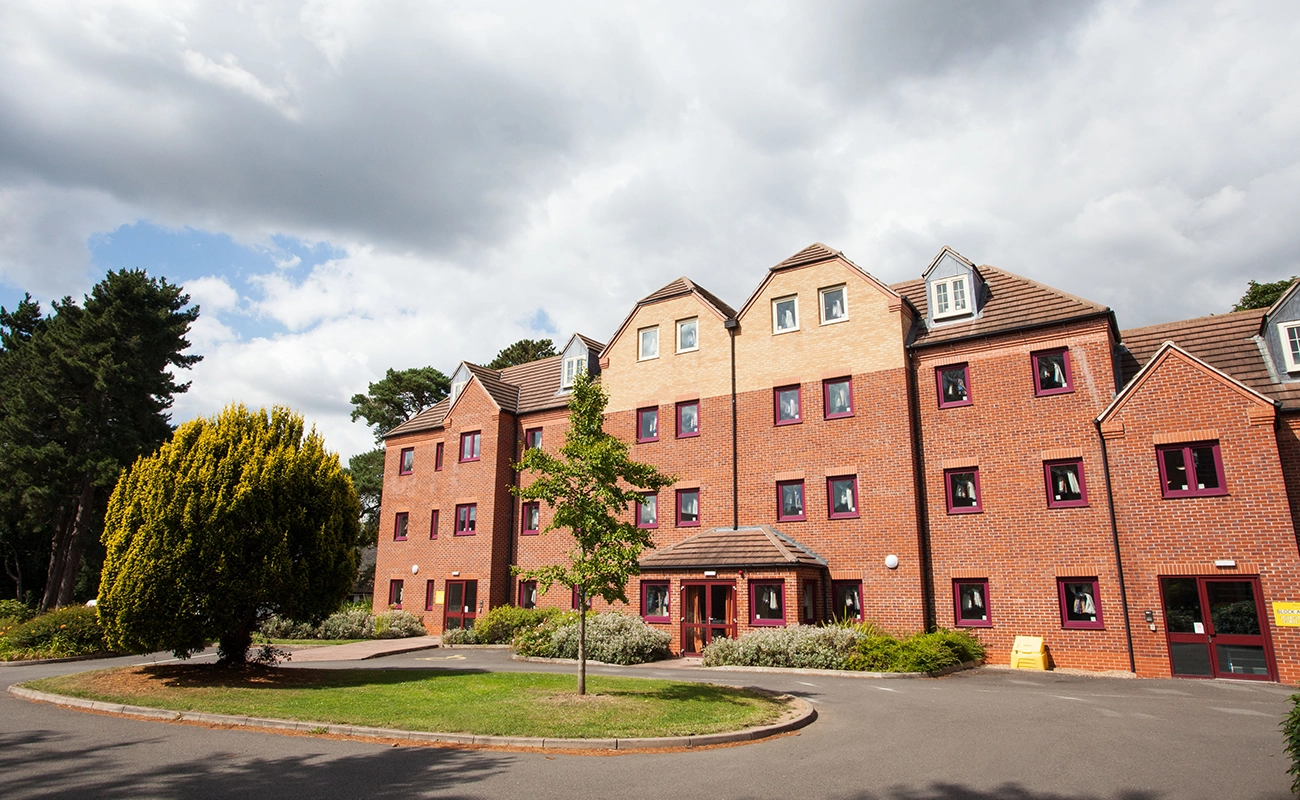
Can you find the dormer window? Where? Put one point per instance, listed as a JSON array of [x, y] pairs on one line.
[[459, 379], [647, 343], [573, 367], [950, 297], [1289, 333], [456, 387]]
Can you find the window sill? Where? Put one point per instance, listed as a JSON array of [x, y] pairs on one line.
[[529, 533], [1067, 504], [787, 330], [1053, 392], [767, 623], [399, 538], [688, 435], [658, 620], [653, 527], [792, 519], [408, 472], [647, 441], [1197, 493], [687, 350], [463, 533], [681, 524], [1083, 626], [844, 415], [971, 623], [835, 321], [799, 421], [974, 510], [467, 460], [958, 404], [854, 515]]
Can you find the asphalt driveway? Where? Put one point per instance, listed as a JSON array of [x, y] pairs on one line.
[[978, 735]]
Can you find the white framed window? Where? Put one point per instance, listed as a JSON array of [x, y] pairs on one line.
[[573, 367], [647, 343], [1289, 333], [950, 297], [688, 334], [785, 314], [834, 304]]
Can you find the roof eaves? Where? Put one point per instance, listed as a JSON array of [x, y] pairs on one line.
[[1159, 358]]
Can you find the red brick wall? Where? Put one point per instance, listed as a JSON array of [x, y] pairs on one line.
[[1251, 525], [1017, 543]]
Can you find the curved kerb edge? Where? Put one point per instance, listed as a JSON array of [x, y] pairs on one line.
[[805, 715]]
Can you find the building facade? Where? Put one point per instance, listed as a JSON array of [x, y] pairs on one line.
[[969, 449]]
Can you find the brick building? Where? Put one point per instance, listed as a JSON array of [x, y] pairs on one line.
[[969, 449]]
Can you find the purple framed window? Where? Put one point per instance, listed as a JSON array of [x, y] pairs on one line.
[[962, 487], [767, 603], [688, 419], [789, 501], [433, 524], [528, 594], [647, 511], [842, 497], [532, 438], [466, 519], [469, 445], [429, 595], [1191, 470], [437, 458], [531, 516], [1052, 372], [837, 398], [848, 600], [1065, 486], [971, 603], [394, 594], [1080, 603], [688, 508], [655, 603], [808, 602], [407, 462], [953, 385], [647, 424], [401, 522], [787, 404]]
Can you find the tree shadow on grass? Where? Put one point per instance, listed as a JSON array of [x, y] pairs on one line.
[[196, 676], [691, 692], [42, 765]]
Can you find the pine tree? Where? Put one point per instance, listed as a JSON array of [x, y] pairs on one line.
[[523, 351]]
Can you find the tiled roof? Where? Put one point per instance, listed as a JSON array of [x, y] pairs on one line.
[[812, 254], [504, 394], [538, 382], [759, 546], [428, 419], [1013, 302], [1224, 341], [683, 286]]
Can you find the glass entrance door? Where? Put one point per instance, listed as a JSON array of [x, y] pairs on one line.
[[462, 599], [1215, 628], [708, 612]]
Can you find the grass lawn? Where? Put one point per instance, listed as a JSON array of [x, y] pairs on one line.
[[484, 703]]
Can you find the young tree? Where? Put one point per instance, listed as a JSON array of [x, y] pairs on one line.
[[1262, 295], [523, 351], [237, 517], [590, 486], [398, 396]]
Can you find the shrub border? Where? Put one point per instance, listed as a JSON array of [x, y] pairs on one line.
[[804, 715]]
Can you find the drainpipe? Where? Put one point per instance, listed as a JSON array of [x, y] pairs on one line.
[[922, 507], [732, 324], [1119, 563]]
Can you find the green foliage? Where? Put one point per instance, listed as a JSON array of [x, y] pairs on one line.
[[367, 473], [857, 646], [70, 631], [457, 636], [500, 625], [398, 625], [1291, 733], [611, 637], [523, 351], [238, 517], [86, 392], [1262, 295], [16, 610], [274, 627], [352, 622], [398, 396], [349, 623]]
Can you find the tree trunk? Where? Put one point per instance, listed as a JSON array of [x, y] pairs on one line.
[[15, 574], [58, 559], [72, 564], [232, 650], [582, 641]]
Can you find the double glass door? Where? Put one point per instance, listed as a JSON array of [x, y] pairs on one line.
[[1216, 628], [708, 612], [462, 600]]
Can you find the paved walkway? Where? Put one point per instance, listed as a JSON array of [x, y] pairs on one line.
[[360, 651]]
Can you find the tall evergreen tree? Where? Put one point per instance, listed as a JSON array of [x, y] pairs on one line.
[[523, 351], [87, 392], [1262, 295], [398, 396]]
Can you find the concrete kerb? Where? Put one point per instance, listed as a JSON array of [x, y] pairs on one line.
[[37, 661], [804, 715], [832, 673]]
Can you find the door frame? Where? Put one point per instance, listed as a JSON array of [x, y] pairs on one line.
[[463, 616], [705, 627], [1208, 638]]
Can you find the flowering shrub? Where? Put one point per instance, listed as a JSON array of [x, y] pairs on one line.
[[281, 628], [70, 631], [348, 624], [352, 622], [500, 625], [398, 625], [459, 636], [860, 647], [611, 637]]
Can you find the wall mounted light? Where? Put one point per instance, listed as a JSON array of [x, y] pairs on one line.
[[1225, 563], [710, 573], [455, 573], [891, 561], [415, 569]]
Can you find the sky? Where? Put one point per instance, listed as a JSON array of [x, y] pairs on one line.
[[345, 187]]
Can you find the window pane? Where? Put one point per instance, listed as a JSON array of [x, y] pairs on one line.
[[1065, 483], [843, 500], [687, 334], [1293, 342], [648, 511], [1175, 470], [959, 294], [690, 506], [1207, 474], [833, 305], [837, 398], [962, 489], [786, 315], [475, 443], [402, 522], [792, 500], [1182, 605], [690, 418], [648, 424], [408, 460], [954, 385], [1080, 602], [656, 600], [787, 405], [1051, 371], [940, 298], [767, 602], [649, 343], [534, 517], [848, 601], [972, 604], [473, 516]]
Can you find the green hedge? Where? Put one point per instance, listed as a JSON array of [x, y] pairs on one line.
[[861, 647], [1291, 732], [611, 637], [70, 631], [500, 625]]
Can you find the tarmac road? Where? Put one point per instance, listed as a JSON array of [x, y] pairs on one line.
[[978, 735]]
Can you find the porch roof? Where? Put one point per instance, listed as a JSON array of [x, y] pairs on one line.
[[752, 546]]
